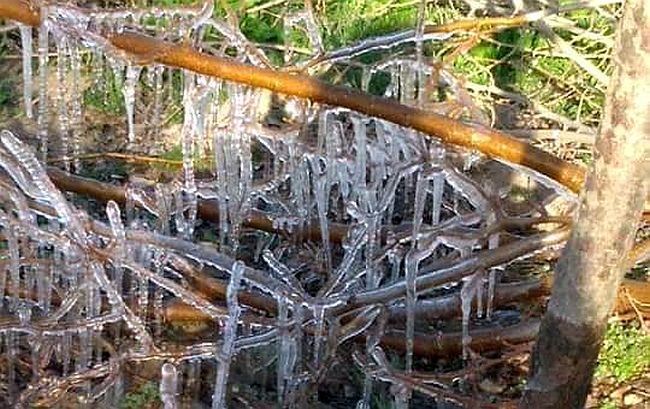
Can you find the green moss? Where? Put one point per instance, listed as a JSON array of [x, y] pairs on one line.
[[625, 353], [146, 396]]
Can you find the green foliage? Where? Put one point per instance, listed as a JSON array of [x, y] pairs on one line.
[[201, 163], [625, 353], [349, 21], [107, 96], [516, 59], [608, 404], [144, 397], [6, 82]]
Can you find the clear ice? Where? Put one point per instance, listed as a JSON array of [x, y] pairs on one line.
[[290, 231]]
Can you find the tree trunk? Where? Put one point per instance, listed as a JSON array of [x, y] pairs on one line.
[[593, 263]]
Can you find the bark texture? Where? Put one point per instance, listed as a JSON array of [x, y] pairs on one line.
[[593, 263]]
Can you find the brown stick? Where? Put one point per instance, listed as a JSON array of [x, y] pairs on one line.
[[445, 345], [490, 142], [449, 306], [207, 209]]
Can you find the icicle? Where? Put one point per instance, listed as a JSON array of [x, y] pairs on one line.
[[286, 352], [373, 338], [169, 386], [219, 144], [62, 95], [321, 195], [373, 275], [76, 96], [43, 286], [493, 243], [132, 74], [438, 189], [298, 319], [332, 151], [14, 263], [319, 315], [181, 226], [419, 52], [467, 294], [187, 147], [366, 77], [158, 295], [143, 297], [114, 216], [411, 270], [407, 82], [229, 337], [360, 148], [479, 294], [35, 345], [418, 213], [26, 41], [43, 105], [201, 112], [11, 351], [164, 202], [159, 70]]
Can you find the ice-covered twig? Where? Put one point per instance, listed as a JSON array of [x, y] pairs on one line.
[[490, 142]]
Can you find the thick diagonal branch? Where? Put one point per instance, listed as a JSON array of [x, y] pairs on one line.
[[490, 142]]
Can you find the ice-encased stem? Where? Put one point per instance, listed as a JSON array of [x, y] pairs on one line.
[[493, 242], [188, 133], [437, 191], [159, 71], [62, 95], [467, 294], [419, 51], [286, 351], [27, 48], [43, 57], [168, 386], [132, 74], [76, 104], [373, 338], [418, 212], [321, 194], [360, 144], [411, 269], [14, 263], [229, 337]]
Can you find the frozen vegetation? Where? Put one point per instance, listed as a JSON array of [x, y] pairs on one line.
[[329, 228]]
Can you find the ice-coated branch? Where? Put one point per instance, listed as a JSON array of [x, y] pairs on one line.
[[491, 142], [207, 209]]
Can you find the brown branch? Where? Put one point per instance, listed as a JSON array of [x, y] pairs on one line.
[[207, 209], [449, 306], [490, 142], [450, 344]]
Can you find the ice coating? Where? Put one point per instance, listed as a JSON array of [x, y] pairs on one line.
[[304, 230]]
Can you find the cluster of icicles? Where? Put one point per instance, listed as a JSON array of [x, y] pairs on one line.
[[82, 299]]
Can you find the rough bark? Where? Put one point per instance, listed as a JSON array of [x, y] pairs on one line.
[[593, 263]]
